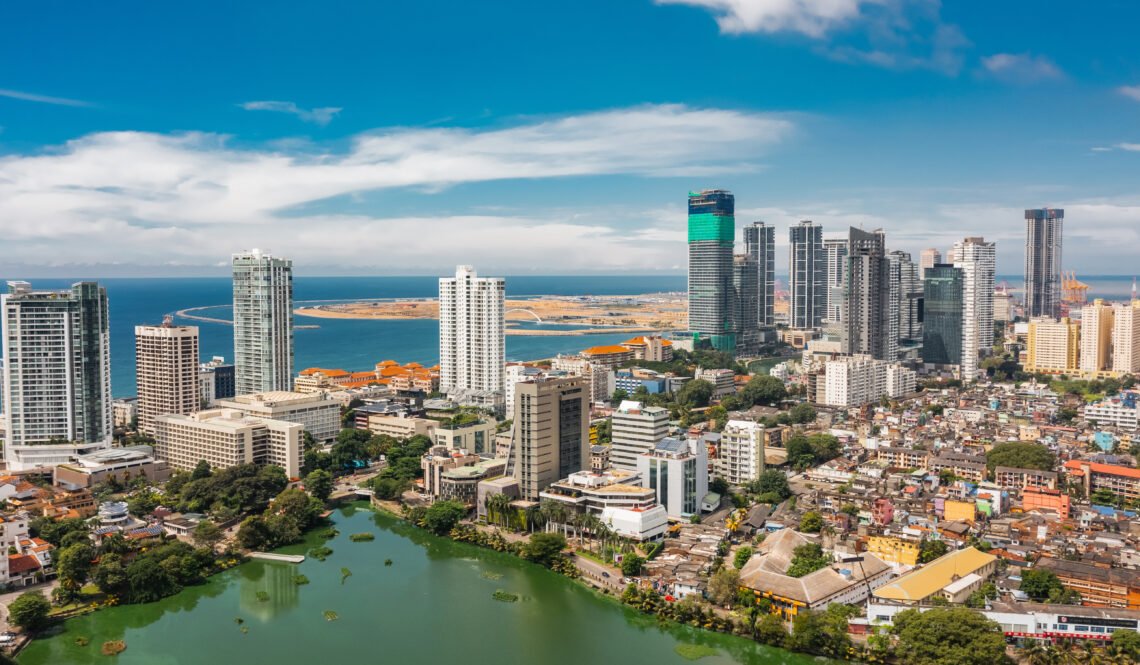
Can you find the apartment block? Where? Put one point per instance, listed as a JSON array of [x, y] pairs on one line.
[[551, 432], [636, 429], [228, 437], [166, 371]]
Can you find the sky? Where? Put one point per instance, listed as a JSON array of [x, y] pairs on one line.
[[554, 137]]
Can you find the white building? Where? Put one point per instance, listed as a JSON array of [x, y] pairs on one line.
[[857, 380], [515, 373], [263, 322], [601, 379], [1121, 411], [617, 498], [679, 472], [977, 260], [723, 381], [56, 374], [471, 341], [166, 371], [216, 380], [636, 430], [317, 414], [1126, 338], [228, 437], [740, 458]]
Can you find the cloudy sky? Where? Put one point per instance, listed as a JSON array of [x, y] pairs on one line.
[[554, 137]]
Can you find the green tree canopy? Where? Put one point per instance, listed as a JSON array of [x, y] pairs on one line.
[[696, 393], [320, 484], [771, 481], [949, 636], [545, 548], [723, 586], [631, 565], [207, 534], [442, 516], [29, 611], [742, 556], [807, 559], [1038, 584], [930, 550], [1021, 455], [763, 389], [811, 522]]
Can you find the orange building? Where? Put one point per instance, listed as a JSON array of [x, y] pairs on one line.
[[1033, 498], [653, 348], [1121, 480]]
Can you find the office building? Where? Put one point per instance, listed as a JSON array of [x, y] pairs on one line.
[[263, 322], [942, 317], [617, 498], [166, 372], [56, 374], [929, 258], [867, 326], [712, 229], [679, 473], [228, 437], [835, 251], [319, 416], [977, 260], [216, 380], [745, 304], [760, 244], [905, 304], [471, 343], [551, 432], [1043, 232], [807, 271], [1126, 338], [636, 429], [1053, 347]]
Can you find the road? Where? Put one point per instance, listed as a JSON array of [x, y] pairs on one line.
[[7, 598], [592, 572]]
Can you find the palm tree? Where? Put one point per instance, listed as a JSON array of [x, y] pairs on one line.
[[1037, 653]]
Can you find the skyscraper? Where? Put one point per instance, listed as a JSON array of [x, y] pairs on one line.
[[56, 374], [471, 343], [867, 326], [835, 249], [1097, 325], [263, 322], [978, 260], [808, 272], [1126, 338], [712, 229], [760, 244], [928, 259], [1043, 231], [166, 372], [942, 318], [745, 295], [906, 303], [551, 432]]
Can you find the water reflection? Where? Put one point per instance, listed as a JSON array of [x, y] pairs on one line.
[[267, 590]]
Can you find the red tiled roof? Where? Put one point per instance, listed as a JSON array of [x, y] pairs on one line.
[[22, 563], [1108, 469]]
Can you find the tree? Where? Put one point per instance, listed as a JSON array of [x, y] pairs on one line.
[[631, 565], [29, 611], [763, 389], [950, 635], [772, 481], [545, 548], [110, 576], [619, 396], [201, 470], [207, 534], [929, 550], [253, 533], [719, 486], [1126, 643], [742, 556], [723, 586], [442, 516], [811, 522], [1038, 584], [771, 631], [802, 413], [320, 484], [719, 415], [1021, 455], [807, 559], [149, 581], [696, 393], [73, 564]]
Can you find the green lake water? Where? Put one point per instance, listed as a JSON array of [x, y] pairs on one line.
[[433, 605]]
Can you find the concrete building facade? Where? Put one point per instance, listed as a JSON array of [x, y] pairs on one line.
[[166, 372], [472, 347], [263, 322]]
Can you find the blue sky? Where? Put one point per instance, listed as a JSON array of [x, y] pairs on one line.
[[554, 137]]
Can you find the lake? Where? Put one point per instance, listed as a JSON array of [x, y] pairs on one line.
[[433, 605]]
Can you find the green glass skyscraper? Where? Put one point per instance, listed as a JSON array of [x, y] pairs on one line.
[[712, 229], [942, 324]]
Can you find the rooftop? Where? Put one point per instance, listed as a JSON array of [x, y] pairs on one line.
[[935, 576]]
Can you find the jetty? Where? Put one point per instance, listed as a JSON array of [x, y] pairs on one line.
[[284, 558]]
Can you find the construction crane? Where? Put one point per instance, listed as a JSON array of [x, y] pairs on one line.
[[1073, 291]]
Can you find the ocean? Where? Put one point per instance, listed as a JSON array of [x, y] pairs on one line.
[[341, 343]]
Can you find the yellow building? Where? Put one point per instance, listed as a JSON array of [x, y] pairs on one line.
[[953, 511], [895, 551], [953, 576], [1053, 347], [1096, 339]]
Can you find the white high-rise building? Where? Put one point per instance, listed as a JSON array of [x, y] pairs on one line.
[[929, 257], [978, 260], [636, 430], [835, 249], [56, 374], [166, 372], [741, 458], [858, 380], [263, 322], [1126, 338], [679, 472], [471, 343]]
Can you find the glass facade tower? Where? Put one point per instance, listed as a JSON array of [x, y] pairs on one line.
[[712, 229]]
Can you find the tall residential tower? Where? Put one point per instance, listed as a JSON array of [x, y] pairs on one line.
[[263, 322], [977, 260], [56, 374], [166, 372], [760, 244], [867, 328], [807, 271], [471, 343]]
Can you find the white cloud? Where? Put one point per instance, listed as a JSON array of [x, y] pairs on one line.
[[41, 99], [319, 116], [1130, 91], [1021, 68], [146, 198], [1130, 147], [813, 18]]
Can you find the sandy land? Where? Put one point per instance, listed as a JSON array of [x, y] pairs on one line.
[[644, 313]]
